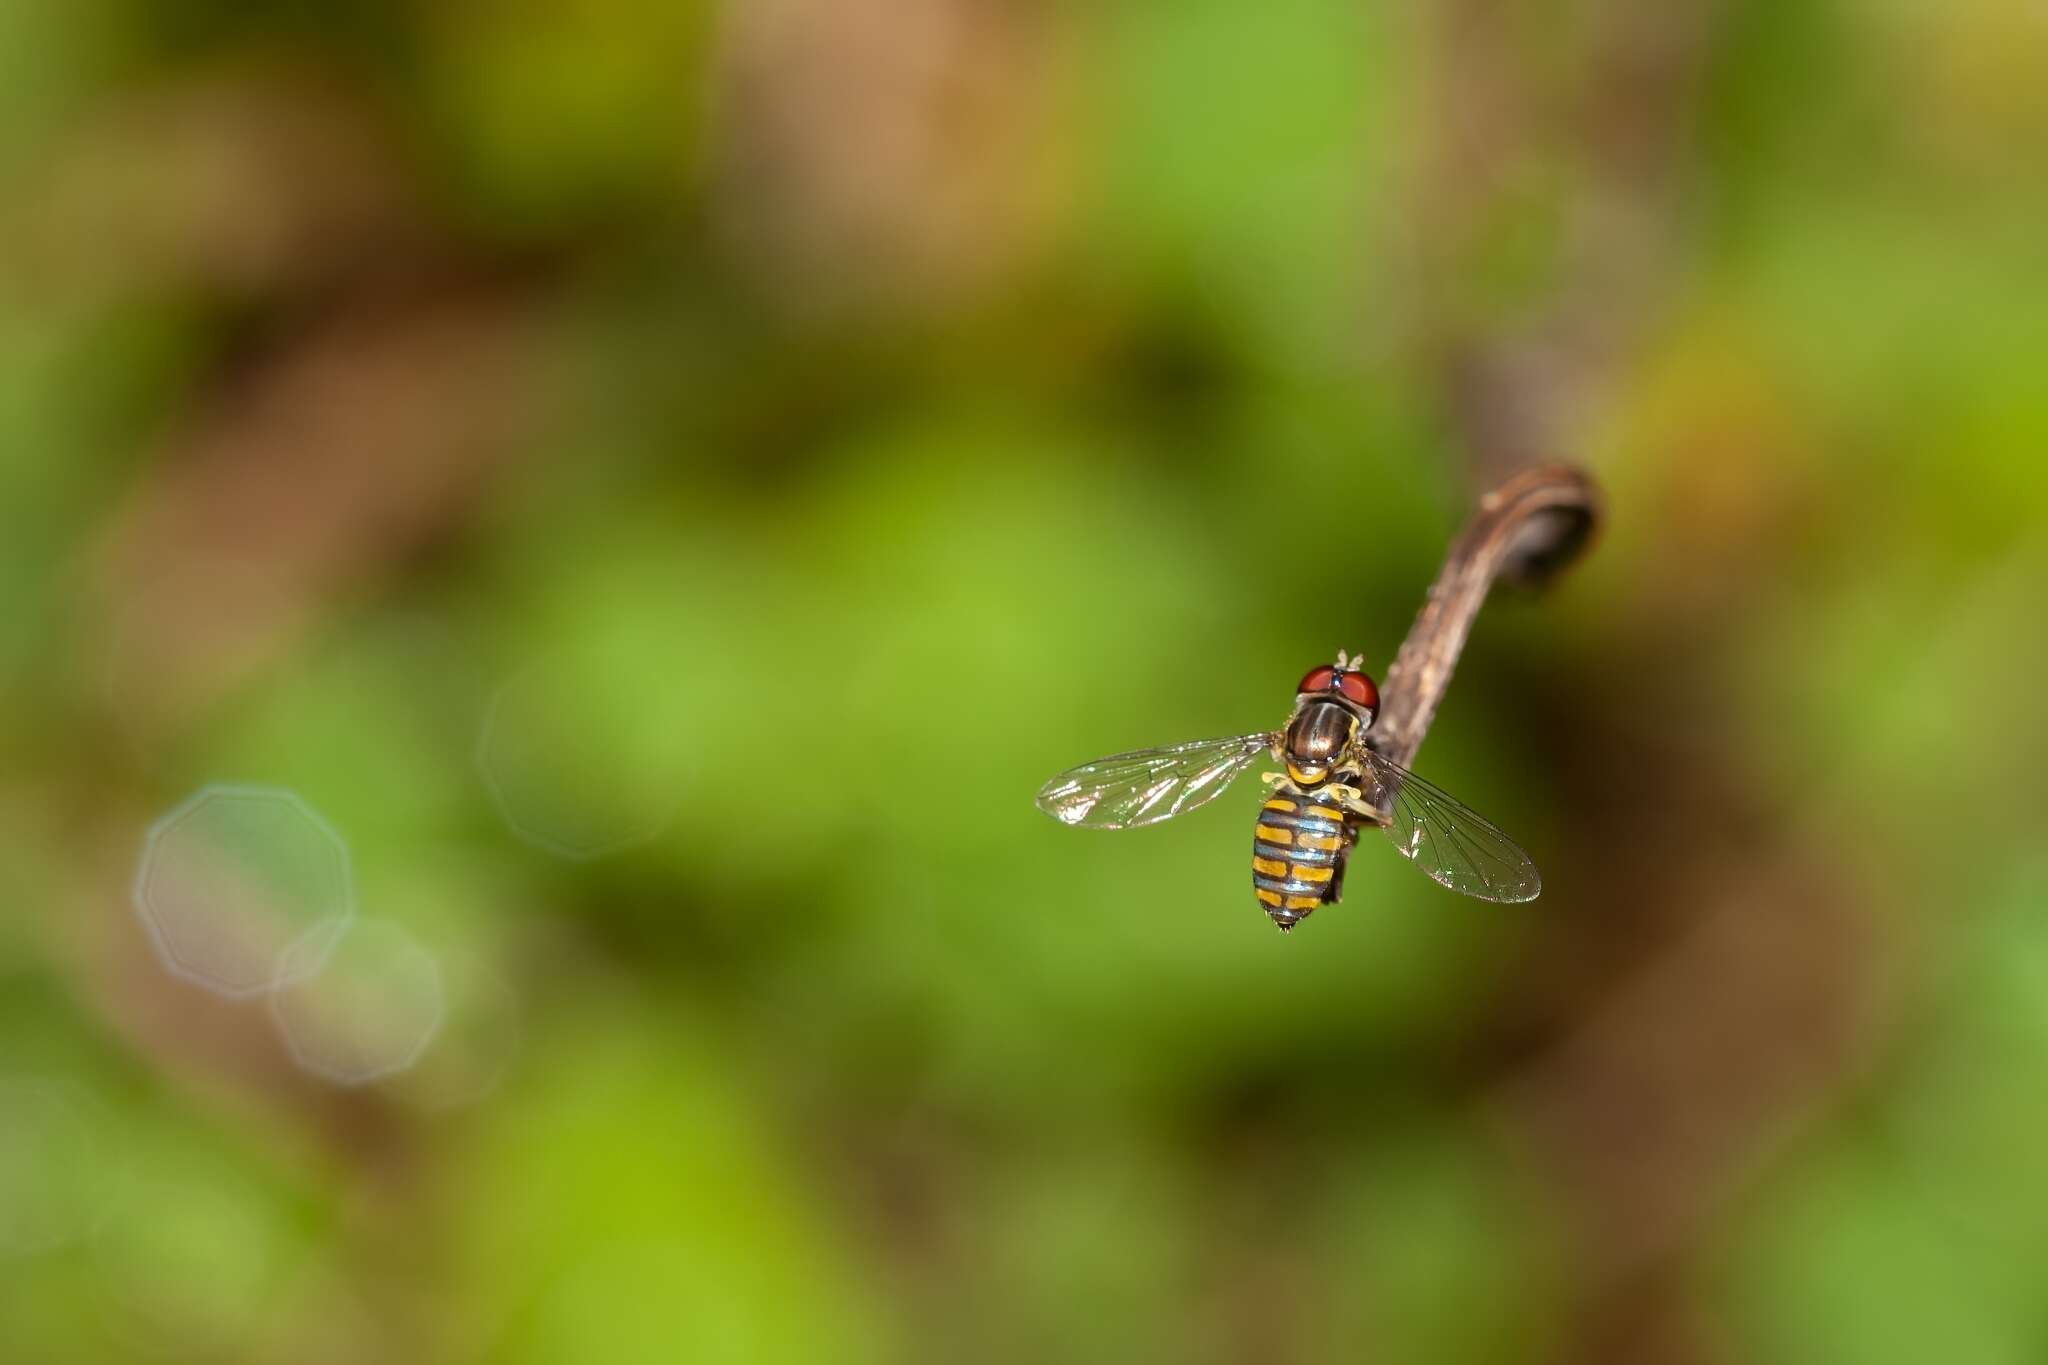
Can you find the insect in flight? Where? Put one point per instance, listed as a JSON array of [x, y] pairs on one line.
[[1333, 787]]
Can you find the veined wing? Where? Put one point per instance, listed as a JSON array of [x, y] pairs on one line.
[[1149, 785], [1464, 851]]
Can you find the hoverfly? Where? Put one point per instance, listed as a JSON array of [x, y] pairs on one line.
[[1334, 786]]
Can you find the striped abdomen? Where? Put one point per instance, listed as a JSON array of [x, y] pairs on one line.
[[1298, 854]]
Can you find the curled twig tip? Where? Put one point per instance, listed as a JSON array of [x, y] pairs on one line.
[[1526, 530]]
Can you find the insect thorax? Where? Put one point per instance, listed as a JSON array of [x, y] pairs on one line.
[[1317, 739]]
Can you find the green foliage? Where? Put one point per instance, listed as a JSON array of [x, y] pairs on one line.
[[799, 585]]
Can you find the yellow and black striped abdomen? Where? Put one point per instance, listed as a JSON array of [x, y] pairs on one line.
[[1298, 854]]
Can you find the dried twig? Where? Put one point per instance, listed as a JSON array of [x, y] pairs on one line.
[[1525, 530]]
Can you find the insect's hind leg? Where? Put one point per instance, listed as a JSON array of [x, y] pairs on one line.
[[1358, 811]]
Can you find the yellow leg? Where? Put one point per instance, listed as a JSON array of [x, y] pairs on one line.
[[1353, 800]]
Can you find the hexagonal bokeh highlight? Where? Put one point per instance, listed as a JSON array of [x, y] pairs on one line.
[[370, 1009], [241, 887], [556, 783]]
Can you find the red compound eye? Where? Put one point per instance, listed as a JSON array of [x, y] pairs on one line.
[[1359, 688], [1317, 680]]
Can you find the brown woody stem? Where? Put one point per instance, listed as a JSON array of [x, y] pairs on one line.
[[1525, 530]]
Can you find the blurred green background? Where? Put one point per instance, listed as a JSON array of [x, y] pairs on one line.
[[659, 486]]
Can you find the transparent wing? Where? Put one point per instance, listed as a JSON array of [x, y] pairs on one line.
[[1149, 785], [1466, 852]]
